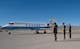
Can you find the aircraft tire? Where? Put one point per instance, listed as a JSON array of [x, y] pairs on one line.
[[37, 32], [44, 31]]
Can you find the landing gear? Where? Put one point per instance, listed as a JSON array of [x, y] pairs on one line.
[[9, 33], [44, 31], [37, 32]]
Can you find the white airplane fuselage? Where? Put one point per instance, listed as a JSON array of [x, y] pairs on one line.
[[19, 25]]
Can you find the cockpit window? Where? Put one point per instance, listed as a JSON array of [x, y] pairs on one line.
[[11, 23]]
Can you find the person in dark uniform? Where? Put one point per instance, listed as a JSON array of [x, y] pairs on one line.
[[70, 31], [55, 31], [64, 30]]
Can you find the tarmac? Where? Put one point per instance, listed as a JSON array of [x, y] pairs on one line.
[[30, 40]]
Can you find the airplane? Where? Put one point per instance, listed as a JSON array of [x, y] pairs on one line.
[[31, 26]]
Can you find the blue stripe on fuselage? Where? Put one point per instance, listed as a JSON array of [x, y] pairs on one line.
[[17, 28]]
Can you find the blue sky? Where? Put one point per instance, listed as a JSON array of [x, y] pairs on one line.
[[40, 11]]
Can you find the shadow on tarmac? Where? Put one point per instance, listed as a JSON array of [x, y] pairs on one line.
[[33, 33], [45, 33], [70, 40]]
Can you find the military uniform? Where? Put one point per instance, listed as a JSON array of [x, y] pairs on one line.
[[69, 31], [64, 31], [55, 31]]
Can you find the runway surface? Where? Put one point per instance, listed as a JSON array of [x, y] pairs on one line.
[[30, 40]]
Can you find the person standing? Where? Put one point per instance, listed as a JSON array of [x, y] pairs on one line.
[[70, 31], [63, 30], [55, 31]]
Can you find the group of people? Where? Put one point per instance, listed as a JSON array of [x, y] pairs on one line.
[[55, 26]]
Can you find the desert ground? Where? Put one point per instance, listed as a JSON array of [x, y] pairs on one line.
[[28, 39]]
